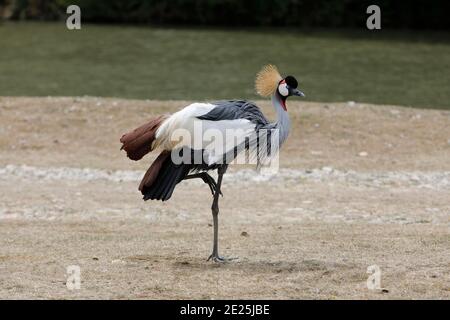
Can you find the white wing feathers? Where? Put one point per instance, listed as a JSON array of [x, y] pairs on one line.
[[217, 138]]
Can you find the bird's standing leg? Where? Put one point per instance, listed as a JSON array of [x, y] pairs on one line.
[[215, 213]]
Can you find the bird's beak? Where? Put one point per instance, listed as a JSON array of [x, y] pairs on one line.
[[296, 92]]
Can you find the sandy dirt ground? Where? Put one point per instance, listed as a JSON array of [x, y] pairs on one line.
[[359, 185]]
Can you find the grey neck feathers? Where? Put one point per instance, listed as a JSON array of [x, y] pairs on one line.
[[283, 124]]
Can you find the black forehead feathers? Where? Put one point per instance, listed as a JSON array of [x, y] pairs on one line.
[[291, 82]]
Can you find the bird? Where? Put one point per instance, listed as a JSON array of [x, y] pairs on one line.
[[175, 160]]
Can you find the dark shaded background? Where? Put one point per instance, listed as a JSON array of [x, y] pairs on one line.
[[415, 14], [211, 49]]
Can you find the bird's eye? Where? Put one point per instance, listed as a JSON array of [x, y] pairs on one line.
[[283, 89]]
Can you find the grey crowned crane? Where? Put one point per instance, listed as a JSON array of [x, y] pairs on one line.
[[243, 117]]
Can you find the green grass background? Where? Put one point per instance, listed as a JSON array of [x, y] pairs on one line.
[[46, 59]]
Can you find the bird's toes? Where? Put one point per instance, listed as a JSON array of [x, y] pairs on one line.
[[219, 259]]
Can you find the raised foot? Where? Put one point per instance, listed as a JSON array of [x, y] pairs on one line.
[[219, 259]]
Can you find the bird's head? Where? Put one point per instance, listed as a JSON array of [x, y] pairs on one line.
[[288, 87], [270, 82]]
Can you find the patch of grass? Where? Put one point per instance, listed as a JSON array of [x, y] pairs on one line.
[[45, 59]]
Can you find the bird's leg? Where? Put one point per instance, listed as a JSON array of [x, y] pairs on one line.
[[206, 179], [215, 213]]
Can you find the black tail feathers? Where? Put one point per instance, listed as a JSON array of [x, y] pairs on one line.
[[168, 177]]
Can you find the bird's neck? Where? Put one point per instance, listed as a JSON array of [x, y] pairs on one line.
[[283, 123]]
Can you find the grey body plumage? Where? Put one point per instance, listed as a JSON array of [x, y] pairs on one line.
[[241, 109]]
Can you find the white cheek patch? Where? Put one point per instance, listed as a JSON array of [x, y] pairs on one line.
[[283, 90]]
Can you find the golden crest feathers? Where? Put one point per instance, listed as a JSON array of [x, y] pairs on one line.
[[267, 80]]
